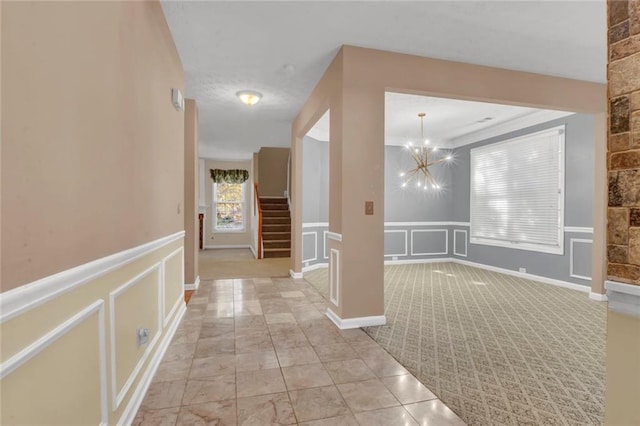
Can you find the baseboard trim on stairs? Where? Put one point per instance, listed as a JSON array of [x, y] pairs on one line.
[[347, 323]]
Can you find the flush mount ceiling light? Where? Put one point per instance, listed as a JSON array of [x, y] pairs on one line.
[[249, 97], [424, 156]]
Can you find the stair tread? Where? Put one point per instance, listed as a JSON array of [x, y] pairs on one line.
[[277, 249]]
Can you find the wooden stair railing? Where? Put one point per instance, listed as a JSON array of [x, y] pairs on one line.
[[259, 208]]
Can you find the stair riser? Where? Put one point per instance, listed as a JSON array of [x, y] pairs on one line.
[[276, 244], [273, 201], [274, 207], [276, 221], [276, 213], [275, 228], [279, 236], [268, 254]]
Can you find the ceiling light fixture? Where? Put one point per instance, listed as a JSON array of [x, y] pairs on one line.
[[423, 156], [249, 97]]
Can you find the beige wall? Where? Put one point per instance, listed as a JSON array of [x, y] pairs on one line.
[[353, 88], [214, 238], [92, 148], [191, 187], [272, 171]]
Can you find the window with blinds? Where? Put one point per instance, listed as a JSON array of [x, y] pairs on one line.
[[517, 192]]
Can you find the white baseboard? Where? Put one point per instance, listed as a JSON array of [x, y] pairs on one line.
[[552, 281], [253, 251], [410, 261], [295, 275], [314, 267], [132, 407], [598, 297], [193, 286], [229, 246], [347, 323]]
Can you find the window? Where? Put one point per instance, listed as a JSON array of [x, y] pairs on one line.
[[228, 204], [517, 192]]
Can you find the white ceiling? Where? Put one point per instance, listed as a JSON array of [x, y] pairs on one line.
[[235, 45], [448, 122]]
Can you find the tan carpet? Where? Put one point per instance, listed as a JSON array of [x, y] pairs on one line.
[[240, 263], [498, 350]]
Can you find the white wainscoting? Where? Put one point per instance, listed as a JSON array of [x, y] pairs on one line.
[[446, 242], [405, 233], [334, 277], [315, 246], [455, 242], [325, 244], [572, 242]]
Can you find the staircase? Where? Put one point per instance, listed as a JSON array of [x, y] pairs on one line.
[[276, 227]]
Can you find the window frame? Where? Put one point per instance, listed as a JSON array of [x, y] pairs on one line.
[[560, 131], [214, 205]]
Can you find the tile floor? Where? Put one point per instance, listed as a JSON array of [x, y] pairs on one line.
[[262, 352]]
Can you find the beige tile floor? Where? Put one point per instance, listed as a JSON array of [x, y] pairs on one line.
[[262, 352]]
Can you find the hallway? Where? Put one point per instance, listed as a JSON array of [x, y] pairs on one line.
[[261, 351], [239, 263]]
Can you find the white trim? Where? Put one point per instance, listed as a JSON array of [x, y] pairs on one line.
[[334, 270], [411, 261], [347, 323], [163, 269], [214, 210], [295, 275], [446, 242], [24, 298], [315, 246], [22, 357], [138, 394], [315, 225], [229, 246], [253, 251], [623, 298], [578, 229], [314, 267], [406, 242], [571, 274], [325, 244], [528, 120], [176, 306], [598, 297], [455, 253], [444, 223], [334, 236], [545, 280], [193, 286], [118, 396]]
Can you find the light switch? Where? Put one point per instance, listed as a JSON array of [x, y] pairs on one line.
[[368, 207]]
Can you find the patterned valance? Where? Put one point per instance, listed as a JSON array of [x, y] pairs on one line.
[[229, 176]]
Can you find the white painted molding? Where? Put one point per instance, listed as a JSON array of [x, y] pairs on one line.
[[325, 244], [412, 261], [334, 236], [446, 241], [522, 122], [443, 223], [334, 277], [253, 251], [455, 246], [193, 286], [228, 246], [24, 298], [315, 246], [347, 323], [546, 280], [578, 229], [406, 242], [295, 275], [571, 273], [598, 297], [138, 394], [117, 396], [315, 225], [623, 298], [314, 267], [20, 358]]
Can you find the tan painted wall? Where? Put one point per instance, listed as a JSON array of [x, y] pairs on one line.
[[191, 187], [353, 88], [272, 171], [213, 238], [92, 148]]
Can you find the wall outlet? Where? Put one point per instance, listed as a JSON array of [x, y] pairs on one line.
[[523, 270], [394, 258], [142, 336]]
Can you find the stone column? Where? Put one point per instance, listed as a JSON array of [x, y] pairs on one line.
[[623, 215]]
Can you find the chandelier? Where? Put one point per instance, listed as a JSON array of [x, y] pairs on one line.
[[425, 157]]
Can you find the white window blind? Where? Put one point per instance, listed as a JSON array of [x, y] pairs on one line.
[[517, 192]]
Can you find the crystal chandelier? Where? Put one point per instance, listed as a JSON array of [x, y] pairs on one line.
[[424, 156]]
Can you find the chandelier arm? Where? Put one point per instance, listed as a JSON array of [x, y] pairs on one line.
[[440, 161]]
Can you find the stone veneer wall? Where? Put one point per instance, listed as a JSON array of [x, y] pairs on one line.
[[623, 215]]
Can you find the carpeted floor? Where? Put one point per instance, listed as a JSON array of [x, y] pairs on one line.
[[218, 264], [498, 350]]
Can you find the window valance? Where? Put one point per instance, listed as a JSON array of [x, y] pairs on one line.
[[229, 176]]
